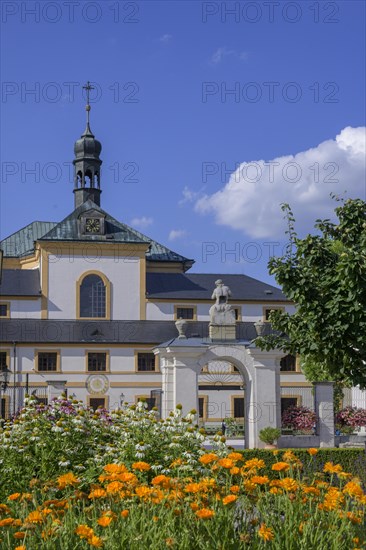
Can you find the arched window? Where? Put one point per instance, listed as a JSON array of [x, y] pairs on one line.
[[93, 297], [288, 363]]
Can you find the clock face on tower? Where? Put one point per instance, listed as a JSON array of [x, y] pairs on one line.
[[92, 225]]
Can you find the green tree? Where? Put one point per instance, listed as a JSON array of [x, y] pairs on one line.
[[325, 276]]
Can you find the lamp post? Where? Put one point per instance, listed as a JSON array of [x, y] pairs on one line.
[[4, 380]]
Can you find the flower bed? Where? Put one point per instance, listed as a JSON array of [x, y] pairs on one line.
[[128, 481]]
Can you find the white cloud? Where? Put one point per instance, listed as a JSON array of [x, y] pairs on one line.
[[177, 234], [141, 223], [223, 52], [188, 195], [165, 38], [250, 201]]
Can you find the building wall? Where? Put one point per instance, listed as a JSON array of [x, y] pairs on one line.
[[25, 309], [164, 311], [122, 272]]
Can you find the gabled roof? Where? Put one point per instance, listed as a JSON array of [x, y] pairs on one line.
[[21, 243], [20, 282], [199, 286], [69, 230]]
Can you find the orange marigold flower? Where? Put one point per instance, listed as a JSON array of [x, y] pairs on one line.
[[35, 517], [265, 533], [104, 521], [229, 499], [115, 468], [312, 451], [276, 491], [125, 513], [354, 518], [162, 480], [67, 479], [208, 458], [21, 547], [141, 466], [128, 477], [289, 456], [98, 493], [4, 509], [226, 463], [114, 487], [84, 531], [169, 541], [205, 513], [281, 467], [289, 484], [332, 500], [235, 489], [353, 489], [249, 486], [14, 496], [235, 456], [143, 491], [95, 541], [330, 468], [254, 463], [19, 535], [192, 488], [6, 522], [259, 480], [194, 506], [234, 470]]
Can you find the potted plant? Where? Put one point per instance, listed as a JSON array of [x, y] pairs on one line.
[[269, 436]]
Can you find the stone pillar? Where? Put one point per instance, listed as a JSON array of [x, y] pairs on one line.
[[55, 389], [324, 409], [168, 396], [266, 398], [359, 401], [186, 387], [179, 367]]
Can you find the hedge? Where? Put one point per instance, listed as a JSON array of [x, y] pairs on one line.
[[351, 460]]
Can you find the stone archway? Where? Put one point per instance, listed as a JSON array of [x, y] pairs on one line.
[[181, 364]]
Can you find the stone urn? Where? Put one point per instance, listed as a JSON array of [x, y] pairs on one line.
[[181, 325], [260, 327]]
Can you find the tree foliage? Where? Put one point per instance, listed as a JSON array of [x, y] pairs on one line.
[[325, 276]]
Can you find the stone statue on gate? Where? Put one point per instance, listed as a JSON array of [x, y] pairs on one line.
[[221, 313]]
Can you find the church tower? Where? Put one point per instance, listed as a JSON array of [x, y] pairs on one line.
[[87, 163]]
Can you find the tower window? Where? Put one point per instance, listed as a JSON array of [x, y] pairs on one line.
[[93, 297]]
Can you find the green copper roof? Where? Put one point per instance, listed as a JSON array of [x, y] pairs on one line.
[[22, 242]]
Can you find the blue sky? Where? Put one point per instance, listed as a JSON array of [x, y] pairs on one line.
[[209, 119]]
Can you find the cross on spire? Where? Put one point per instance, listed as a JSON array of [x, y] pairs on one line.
[[88, 87]]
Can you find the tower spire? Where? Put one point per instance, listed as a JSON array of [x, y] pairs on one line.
[[88, 87], [87, 162]]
